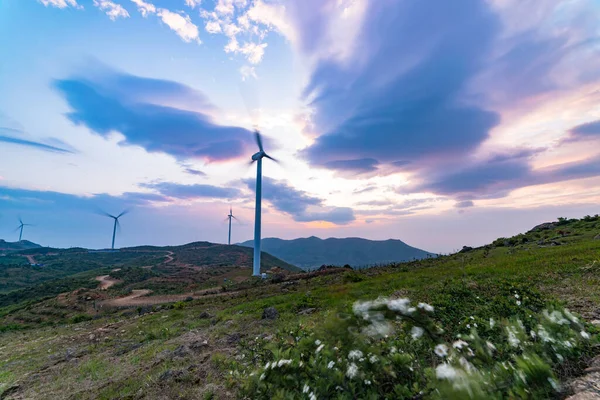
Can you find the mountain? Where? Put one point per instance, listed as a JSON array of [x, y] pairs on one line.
[[21, 245], [313, 252]]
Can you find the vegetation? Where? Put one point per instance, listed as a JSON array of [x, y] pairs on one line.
[[218, 345]]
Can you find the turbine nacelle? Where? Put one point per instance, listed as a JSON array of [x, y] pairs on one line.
[[258, 156]]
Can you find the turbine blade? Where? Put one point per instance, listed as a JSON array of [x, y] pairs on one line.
[[271, 158], [258, 139], [123, 213], [20, 221], [99, 211], [118, 225]]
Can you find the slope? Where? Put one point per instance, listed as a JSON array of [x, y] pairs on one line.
[[313, 252], [202, 348], [21, 245]]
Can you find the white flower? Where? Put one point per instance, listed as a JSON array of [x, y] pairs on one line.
[[492, 322], [352, 371], [441, 350], [416, 332], [281, 363], [446, 371], [490, 346], [459, 344], [393, 350], [532, 334], [367, 382], [400, 305], [355, 354], [570, 316], [267, 365], [516, 296], [319, 348], [512, 338], [469, 326], [584, 334], [317, 342], [518, 302], [373, 359], [262, 376], [312, 396], [426, 307], [306, 388], [544, 335], [330, 365], [472, 317]]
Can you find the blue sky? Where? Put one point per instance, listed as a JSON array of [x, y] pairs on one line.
[[438, 123]]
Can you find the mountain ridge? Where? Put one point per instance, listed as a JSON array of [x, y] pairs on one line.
[[313, 251]]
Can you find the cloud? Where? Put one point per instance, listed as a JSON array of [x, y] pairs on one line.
[[589, 130], [195, 172], [273, 16], [403, 99], [193, 3], [188, 192], [145, 8], [111, 9], [359, 166], [181, 24], [51, 145], [36, 145], [248, 72], [254, 52], [60, 3], [148, 113], [300, 205], [464, 204], [498, 175], [212, 27]]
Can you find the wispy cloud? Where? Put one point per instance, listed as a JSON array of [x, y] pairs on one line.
[[111, 9], [60, 3], [35, 145]]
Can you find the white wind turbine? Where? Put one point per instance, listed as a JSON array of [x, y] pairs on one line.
[[257, 157]]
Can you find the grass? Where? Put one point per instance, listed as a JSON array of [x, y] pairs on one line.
[[477, 283]]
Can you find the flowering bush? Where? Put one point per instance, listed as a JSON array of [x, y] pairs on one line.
[[392, 348]]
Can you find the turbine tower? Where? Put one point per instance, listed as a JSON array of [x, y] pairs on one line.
[[20, 228], [115, 225], [258, 158], [229, 217]]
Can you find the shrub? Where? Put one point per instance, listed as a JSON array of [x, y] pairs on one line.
[[389, 348]]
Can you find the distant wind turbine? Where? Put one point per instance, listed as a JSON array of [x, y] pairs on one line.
[[20, 228], [230, 217], [115, 225], [257, 157]]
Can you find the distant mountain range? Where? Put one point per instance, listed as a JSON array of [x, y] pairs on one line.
[[22, 245], [313, 252]]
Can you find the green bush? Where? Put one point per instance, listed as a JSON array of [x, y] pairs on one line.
[[389, 348]]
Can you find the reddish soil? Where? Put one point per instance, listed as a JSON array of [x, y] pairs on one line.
[[106, 281]]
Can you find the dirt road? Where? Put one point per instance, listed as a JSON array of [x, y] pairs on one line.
[[31, 260], [106, 281], [169, 257]]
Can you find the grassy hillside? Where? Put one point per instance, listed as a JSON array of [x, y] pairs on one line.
[[217, 345], [313, 252]]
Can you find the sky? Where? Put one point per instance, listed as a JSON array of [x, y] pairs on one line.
[[438, 123]]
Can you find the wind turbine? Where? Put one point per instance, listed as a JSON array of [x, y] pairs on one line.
[[257, 157], [229, 217], [20, 227], [115, 225]]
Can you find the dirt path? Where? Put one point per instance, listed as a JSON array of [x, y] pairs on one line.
[[31, 260], [169, 257], [106, 281]]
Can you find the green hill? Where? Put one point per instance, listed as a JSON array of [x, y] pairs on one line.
[[312, 252], [21, 245], [486, 322]]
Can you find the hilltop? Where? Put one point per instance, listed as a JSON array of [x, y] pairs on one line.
[[312, 252], [263, 339], [21, 245]]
